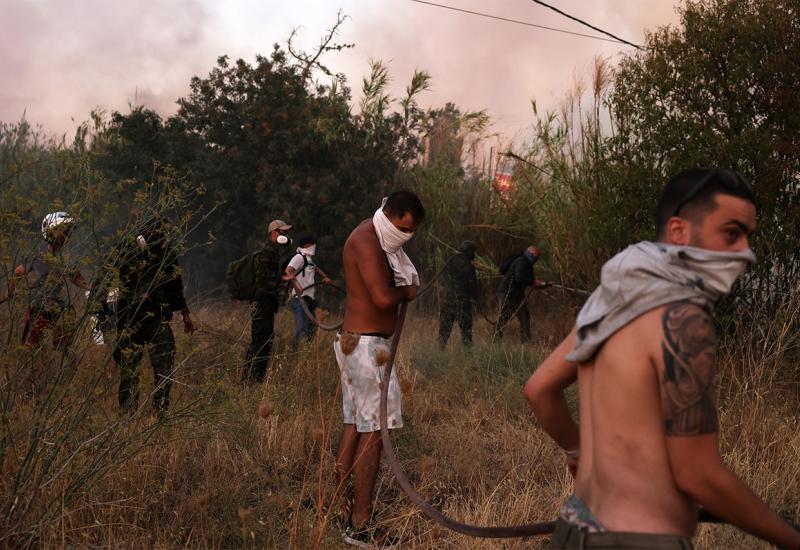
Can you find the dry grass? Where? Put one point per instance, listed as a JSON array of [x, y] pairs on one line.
[[237, 467]]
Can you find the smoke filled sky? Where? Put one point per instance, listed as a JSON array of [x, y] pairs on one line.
[[63, 58]]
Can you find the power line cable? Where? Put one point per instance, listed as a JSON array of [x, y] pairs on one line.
[[518, 22], [582, 22]]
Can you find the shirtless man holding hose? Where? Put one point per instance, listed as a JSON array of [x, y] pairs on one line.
[[643, 350], [379, 276]]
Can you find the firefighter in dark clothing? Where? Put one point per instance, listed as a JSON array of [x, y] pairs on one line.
[[511, 292], [268, 277], [150, 290], [460, 289]]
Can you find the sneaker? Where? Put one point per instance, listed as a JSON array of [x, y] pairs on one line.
[[368, 536]]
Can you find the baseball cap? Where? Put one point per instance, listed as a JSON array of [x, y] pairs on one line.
[[278, 225]]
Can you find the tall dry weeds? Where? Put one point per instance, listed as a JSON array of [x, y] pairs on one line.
[[223, 473], [231, 466]]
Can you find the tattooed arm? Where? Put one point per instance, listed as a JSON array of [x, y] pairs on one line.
[[689, 376], [688, 388]]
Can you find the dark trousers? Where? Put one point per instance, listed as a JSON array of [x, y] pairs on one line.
[[455, 310], [514, 305], [261, 338], [154, 336], [572, 537]]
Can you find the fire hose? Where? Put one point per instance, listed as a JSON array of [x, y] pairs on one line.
[[312, 317], [569, 288], [336, 326], [511, 531], [524, 302]]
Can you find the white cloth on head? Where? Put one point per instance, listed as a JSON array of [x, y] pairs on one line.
[[305, 277], [392, 241], [647, 275]]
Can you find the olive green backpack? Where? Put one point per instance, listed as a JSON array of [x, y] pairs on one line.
[[244, 282], [241, 278]]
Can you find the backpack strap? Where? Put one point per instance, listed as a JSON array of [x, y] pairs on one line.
[[306, 263]]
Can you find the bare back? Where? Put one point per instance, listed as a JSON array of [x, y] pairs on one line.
[[625, 475], [372, 300]]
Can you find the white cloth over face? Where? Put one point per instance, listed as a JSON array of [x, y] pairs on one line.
[[647, 275], [305, 271], [392, 241]]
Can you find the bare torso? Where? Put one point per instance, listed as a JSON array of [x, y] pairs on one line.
[[369, 280], [624, 475]]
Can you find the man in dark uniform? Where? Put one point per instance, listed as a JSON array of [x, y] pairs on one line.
[[511, 292], [267, 265], [150, 290], [460, 288]]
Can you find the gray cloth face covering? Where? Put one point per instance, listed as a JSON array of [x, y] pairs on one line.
[[647, 275]]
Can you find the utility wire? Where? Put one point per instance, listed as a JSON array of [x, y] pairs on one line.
[[518, 22], [582, 22]]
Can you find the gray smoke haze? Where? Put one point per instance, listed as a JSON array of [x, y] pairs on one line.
[[481, 63], [63, 58]]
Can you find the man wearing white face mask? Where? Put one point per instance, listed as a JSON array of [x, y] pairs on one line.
[[646, 449], [268, 277], [379, 276], [302, 272]]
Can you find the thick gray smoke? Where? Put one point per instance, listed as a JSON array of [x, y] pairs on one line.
[[62, 59]]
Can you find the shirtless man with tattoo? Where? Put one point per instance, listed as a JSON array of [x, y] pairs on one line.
[[379, 276], [645, 453]]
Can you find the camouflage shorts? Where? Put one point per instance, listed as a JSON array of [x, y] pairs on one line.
[[577, 513], [362, 360]]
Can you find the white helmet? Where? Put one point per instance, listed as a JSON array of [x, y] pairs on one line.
[[54, 220]]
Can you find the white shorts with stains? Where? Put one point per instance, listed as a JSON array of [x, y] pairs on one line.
[[362, 372]]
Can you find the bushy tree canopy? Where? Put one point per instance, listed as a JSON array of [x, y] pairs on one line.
[[721, 89], [261, 141]]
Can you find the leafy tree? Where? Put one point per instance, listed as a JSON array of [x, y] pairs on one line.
[[397, 134], [132, 146], [267, 144], [721, 89], [450, 134], [261, 141]]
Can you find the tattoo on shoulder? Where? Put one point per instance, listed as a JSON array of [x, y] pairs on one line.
[[689, 382]]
